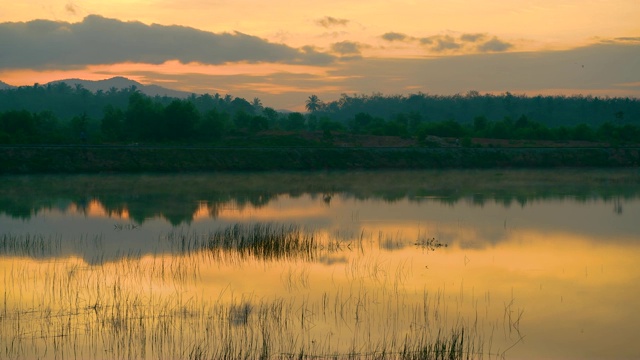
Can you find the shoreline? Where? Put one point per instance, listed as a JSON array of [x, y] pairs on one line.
[[162, 159]]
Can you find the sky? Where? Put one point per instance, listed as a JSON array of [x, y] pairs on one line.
[[284, 51]]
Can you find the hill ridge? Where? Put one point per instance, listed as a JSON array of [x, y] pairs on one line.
[[117, 82], [121, 82]]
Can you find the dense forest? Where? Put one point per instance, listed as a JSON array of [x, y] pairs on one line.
[[62, 114]]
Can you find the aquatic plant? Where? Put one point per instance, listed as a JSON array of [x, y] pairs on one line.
[[33, 245], [162, 306]]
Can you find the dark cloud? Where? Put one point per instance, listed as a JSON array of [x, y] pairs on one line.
[[394, 36], [346, 48], [472, 37], [329, 21], [311, 56], [96, 40], [608, 68], [448, 43], [494, 45], [628, 39], [440, 43], [451, 44], [334, 34]]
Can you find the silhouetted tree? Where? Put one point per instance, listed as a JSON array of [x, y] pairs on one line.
[[214, 125], [258, 123], [294, 121], [360, 122], [271, 115], [241, 120], [240, 104], [112, 125], [79, 127], [142, 118], [180, 120], [313, 103], [257, 105], [17, 127]]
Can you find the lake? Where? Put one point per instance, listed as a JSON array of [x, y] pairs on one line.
[[521, 264]]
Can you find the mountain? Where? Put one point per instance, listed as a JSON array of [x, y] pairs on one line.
[[120, 82], [67, 104], [4, 86]]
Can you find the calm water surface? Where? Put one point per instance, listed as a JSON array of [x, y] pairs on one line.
[[531, 264]]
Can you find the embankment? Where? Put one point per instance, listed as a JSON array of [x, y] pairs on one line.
[[96, 159]]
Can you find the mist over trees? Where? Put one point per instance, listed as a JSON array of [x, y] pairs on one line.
[[549, 110], [60, 114]]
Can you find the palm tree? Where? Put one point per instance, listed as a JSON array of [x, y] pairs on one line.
[[313, 103], [257, 105]]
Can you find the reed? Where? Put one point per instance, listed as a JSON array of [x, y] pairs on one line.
[[32, 245], [162, 307], [266, 241]]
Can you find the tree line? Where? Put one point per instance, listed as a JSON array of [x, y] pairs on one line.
[[63, 114], [552, 111]]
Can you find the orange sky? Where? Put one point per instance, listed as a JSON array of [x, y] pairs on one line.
[[284, 51]]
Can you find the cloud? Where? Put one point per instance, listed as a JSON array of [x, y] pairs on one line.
[[446, 43], [71, 8], [346, 48], [281, 90], [452, 44], [311, 56], [394, 36], [97, 40], [610, 69], [606, 67], [628, 39], [472, 37], [441, 43], [329, 21], [426, 41], [494, 45]]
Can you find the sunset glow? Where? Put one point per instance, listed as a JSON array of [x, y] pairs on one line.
[[284, 51]]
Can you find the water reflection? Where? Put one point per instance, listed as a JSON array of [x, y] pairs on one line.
[[182, 198], [529, 264]]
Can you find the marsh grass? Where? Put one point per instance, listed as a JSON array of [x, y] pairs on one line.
[[266, 241], [32, 245], [162, 307]]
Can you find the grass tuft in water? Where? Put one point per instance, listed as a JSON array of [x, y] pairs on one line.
[[266, 241]]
